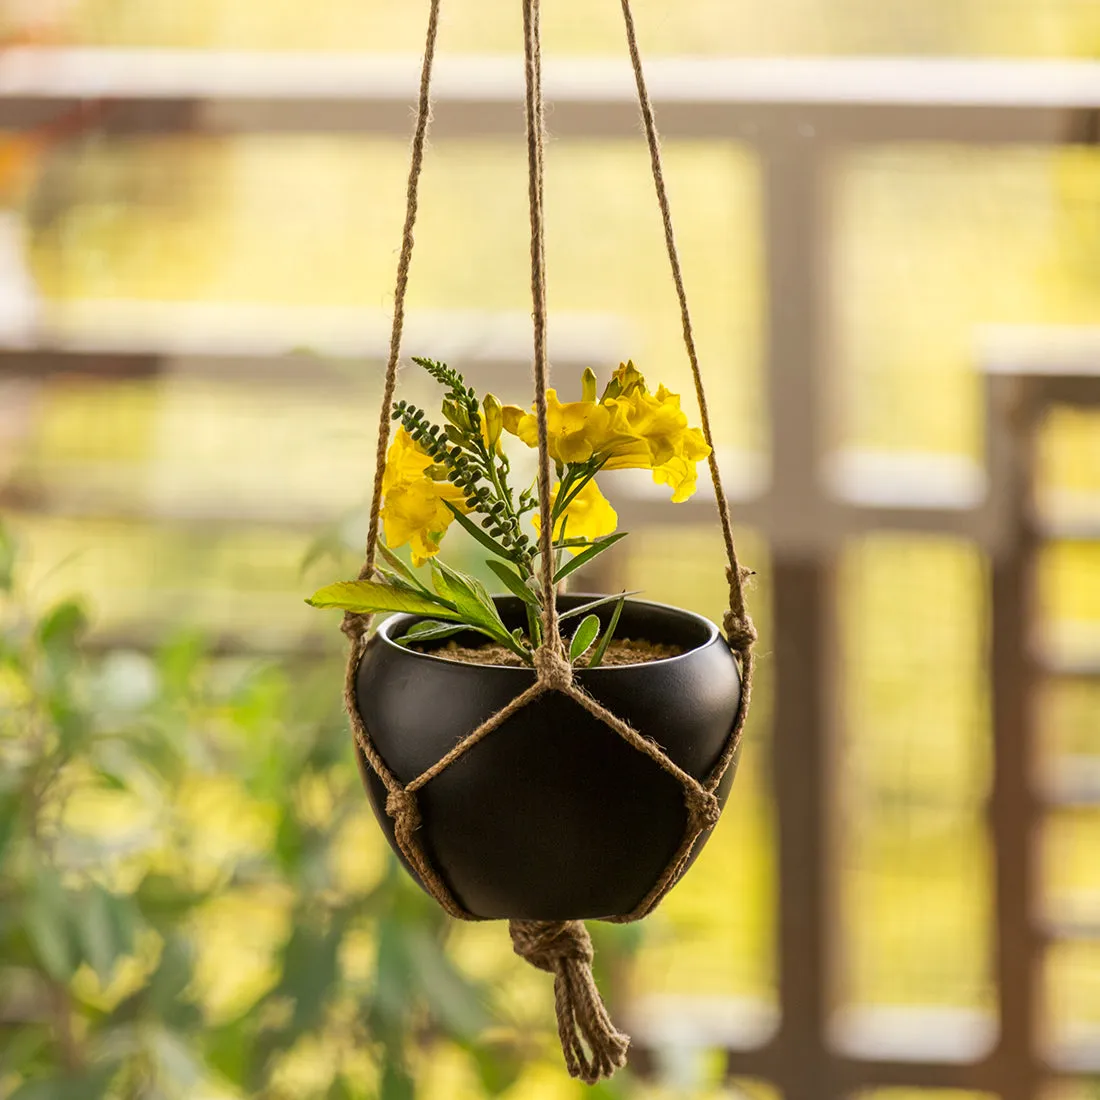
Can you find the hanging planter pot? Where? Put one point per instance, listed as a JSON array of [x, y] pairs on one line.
[[563, 788], [554, 816]]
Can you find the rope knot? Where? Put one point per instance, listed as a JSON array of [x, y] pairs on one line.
[[555, 671], [401, 806], [740, 631], [564, 949], [702, 806], [547, 944], [355, 627]]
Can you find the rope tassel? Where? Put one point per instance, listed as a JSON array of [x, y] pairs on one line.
[[564, 949]]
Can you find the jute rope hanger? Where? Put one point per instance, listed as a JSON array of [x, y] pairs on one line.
[[592, 1046]]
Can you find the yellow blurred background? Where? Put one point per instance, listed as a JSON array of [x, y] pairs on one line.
[[198, 499]]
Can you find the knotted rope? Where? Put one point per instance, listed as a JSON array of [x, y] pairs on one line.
[[564, 949], [593, 1047]]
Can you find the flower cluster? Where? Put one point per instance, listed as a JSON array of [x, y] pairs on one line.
[[458, 471], [627, 428]]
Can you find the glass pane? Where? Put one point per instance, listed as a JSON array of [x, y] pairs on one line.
[[1071, 870], [913, 233], [1069, 599], [914, 772], [312, 222], [1072, 999]]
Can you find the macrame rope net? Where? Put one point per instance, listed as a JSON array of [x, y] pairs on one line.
[[593, 1047]]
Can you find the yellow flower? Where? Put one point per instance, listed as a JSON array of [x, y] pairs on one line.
[[680, 474], [413, 509], [629, 428], [659, 420], [589, 514], [576, 431]]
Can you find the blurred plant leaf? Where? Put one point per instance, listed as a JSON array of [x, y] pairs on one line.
[[7, 559], [396, 1082], [167, 988], [90, 1086], [61, 627], [457, 1002], [164, 901], [105, 929], [45, 921], [11, 808], [309, 971], [22, 1045]]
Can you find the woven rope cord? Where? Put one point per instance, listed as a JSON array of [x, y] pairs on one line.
[[593, 1048]]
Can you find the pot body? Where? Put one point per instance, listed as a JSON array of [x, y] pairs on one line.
[[552, 816]]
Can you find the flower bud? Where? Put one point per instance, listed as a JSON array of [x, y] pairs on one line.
[[588, 385], [494, 419]]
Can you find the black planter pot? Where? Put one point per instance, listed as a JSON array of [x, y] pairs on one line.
[[552, 816]]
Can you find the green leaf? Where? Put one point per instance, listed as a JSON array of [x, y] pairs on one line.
[[45, 920], [60, 629], [396, 1082], [513, 583], [7, 559], [586, 556], [11, 810], [165, 901], [609, 633], [498, 1066], [593, 604], [172, 975], [22, 1045], [96, 929], [455, 1001], [310, 970], [394, 580], [399, 567], [90, 1086], [430, 631], [473, 603], [368, 596], [584, 636], [480, 534]]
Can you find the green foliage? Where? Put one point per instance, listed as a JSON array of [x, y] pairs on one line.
[[367, 596], [102, 990], [597, 657], [584, 636]]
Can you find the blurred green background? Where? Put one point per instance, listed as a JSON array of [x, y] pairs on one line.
[[194, 899]]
